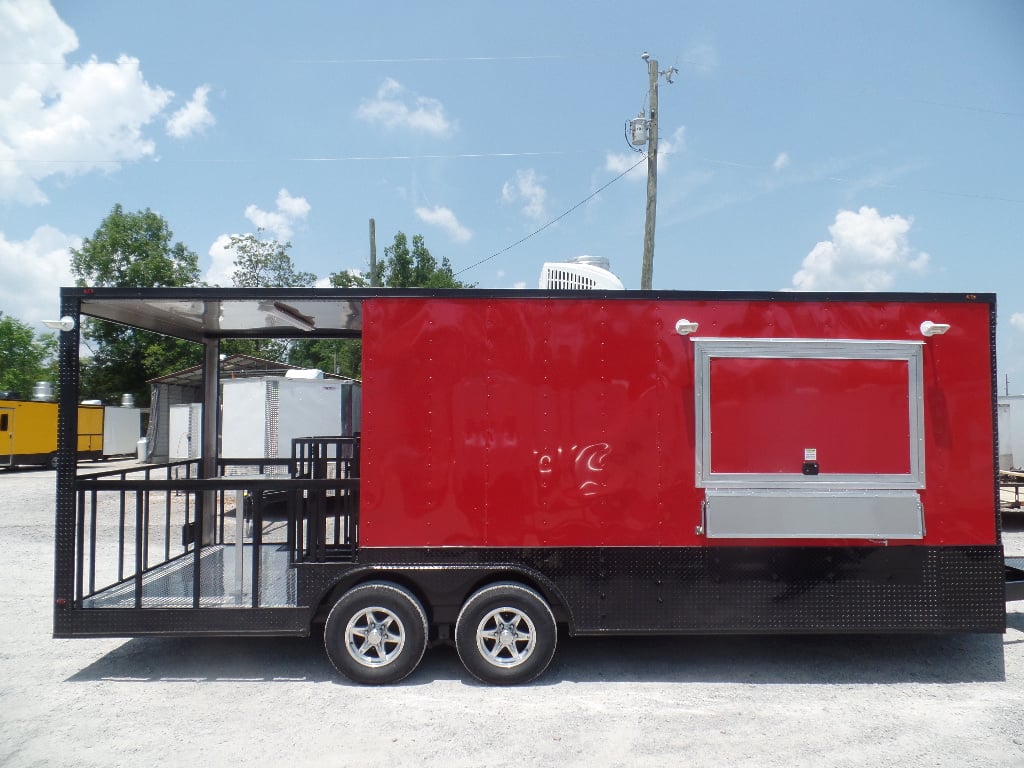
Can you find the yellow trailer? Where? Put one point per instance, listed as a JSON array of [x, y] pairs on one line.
[[28, 433]]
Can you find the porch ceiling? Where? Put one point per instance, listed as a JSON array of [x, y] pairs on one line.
[[198, 314]]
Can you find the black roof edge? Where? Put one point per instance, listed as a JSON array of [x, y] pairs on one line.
[[524, 293]]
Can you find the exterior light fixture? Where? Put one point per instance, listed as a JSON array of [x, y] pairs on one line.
[[685, 327], [928, 328], [66, 323]]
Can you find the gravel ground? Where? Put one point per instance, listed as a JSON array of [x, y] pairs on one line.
[[732, 701]]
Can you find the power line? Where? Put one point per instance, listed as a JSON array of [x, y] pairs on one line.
[[554, 220], [306, 159], [485, 155], [442, 59], [455, 156], [871, 184]]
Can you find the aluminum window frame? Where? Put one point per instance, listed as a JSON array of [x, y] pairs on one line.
[[707, 349]]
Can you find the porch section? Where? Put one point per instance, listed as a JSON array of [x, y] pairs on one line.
[[160, 537]]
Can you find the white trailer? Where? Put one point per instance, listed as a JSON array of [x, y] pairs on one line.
[[1011, 432], [122, 427], [185, 426], [261, 416]]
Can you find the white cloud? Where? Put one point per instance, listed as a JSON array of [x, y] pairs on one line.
[[620, 162], [702, 59], [670, 145], [781, 161], [446, 220], [394, 107], [36, 269], [520, 285], [527, 188], [195, 117], [1017, 321], [279, 223], [222, 263], [867, 252], [293, 207], [61, 119]]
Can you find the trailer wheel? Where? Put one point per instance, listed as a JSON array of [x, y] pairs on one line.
[[376, 633], [506, 634]]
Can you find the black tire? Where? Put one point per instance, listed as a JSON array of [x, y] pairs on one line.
[[506, 634], [376, 633]]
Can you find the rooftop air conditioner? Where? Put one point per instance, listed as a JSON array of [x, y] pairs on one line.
[[582, 273]]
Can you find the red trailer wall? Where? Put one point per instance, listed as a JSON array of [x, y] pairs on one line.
[[570, 422]]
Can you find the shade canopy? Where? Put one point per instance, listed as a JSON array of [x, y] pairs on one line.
[[197, 314]]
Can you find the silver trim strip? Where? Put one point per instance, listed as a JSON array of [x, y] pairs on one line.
[[813, 514]]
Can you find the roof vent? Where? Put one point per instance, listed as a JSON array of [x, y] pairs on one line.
[[582, 273]]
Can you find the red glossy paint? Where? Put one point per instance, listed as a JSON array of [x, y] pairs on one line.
[[570, 422]]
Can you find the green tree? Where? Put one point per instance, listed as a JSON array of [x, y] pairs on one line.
[[261, 263], [132, 250], [27, 358], [415, 268], [401, 267]]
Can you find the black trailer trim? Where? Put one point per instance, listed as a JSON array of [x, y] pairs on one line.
[[727, 590], [132, 622], [743, 589]]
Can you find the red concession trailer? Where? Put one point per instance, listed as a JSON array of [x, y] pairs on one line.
[[610, 462]]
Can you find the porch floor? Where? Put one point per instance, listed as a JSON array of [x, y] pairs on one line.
[[170, 585]]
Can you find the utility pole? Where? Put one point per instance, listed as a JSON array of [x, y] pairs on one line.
[[373, 253], [647, 268]]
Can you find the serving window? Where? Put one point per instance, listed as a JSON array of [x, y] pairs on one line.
[[780, 419]]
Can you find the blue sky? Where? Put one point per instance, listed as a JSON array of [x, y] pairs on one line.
[[804, 145]]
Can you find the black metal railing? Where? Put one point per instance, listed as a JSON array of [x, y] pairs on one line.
[[133, 522], [328, 529], [138, 542]]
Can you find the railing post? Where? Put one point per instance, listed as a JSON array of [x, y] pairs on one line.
[[294, 516], [197, 548], [80, 550], [257, 543], [211, 419], [138, 549], [92, 544], [120, 537]]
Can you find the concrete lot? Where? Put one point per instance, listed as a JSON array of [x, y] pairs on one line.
[[732, 701]]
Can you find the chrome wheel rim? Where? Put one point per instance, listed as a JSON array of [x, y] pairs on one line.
[[375, 636], [506, 637]]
